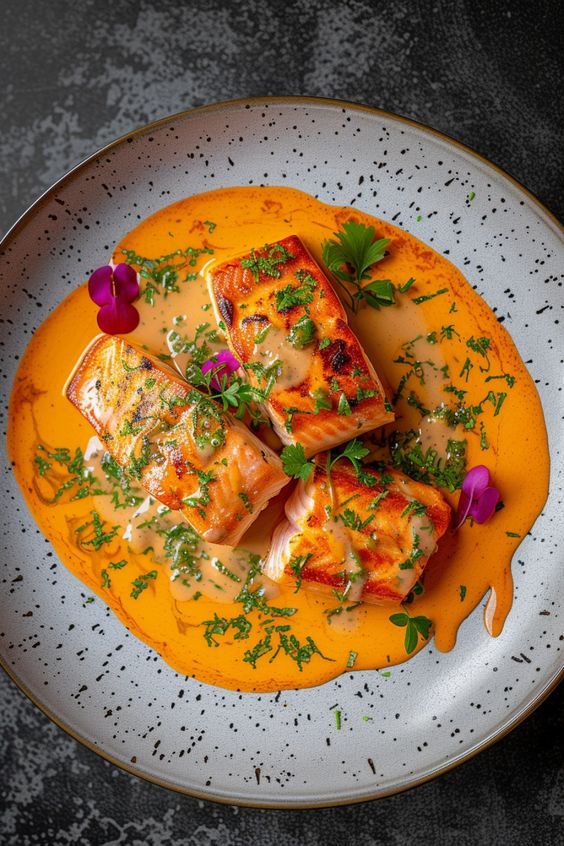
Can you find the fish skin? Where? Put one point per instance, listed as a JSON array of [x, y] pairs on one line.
[[136, 404], [308, 534], [232, 285]]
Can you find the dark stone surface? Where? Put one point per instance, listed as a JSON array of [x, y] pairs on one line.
[[75, 76]]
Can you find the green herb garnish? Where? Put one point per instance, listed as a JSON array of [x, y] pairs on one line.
[[414, 626], [142, 583], [302, 333], [269, 262], [355, 249]]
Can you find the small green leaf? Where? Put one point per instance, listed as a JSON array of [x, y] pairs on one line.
[[399, 619], [422, 624], [411, 637], [302, 333], [343, 407], [295, 463], [380, 292], [406, 285]]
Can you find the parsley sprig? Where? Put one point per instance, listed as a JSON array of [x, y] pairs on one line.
[[296, 464], [349, 259]]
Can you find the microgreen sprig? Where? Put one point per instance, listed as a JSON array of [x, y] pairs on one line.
[[414, 626]]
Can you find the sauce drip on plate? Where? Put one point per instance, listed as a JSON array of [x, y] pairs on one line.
[[447, 384]]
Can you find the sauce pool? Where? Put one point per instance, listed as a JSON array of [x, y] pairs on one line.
[[419, 346]]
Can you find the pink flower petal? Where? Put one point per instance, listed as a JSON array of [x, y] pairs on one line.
[[125, 282], [222, 363], [117, 318], [483, 508], [100, 285], [476, 481], [478, 498], [463, 510]]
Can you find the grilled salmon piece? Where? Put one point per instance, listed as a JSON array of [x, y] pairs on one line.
[[368, 542], [285, 323], [181, 447]]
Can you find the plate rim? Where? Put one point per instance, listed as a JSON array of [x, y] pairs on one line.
[[5, 241]]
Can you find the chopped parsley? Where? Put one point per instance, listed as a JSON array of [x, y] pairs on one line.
[[343, 407], [352, 520], [79, 483], [220, 625], [414, 509], [268, 261], [162, 275], [296, 295], [480, 346], [246, 501], [378, 499], [296, 565], [302, 333], [415, 554], [94, 532], [427, 466], [425, 297], [142, 583], [352, 658], [263, 647]]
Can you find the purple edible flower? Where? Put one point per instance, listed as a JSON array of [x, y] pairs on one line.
[[114, 289], [222, 363], [478, 498]]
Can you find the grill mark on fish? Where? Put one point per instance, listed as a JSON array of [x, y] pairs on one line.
[[339, 357], [292, 403], [226, 309], [392, 548], [168, 468], [254, 318]]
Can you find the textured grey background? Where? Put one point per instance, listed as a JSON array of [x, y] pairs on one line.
[[77, 74]]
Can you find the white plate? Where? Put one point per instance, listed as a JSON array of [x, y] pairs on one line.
[[107, 689]]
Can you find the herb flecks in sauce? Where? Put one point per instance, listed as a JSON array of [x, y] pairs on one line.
[[445, 323], [164, 274]]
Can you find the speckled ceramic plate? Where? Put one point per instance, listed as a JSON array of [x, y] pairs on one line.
[[107, 689]]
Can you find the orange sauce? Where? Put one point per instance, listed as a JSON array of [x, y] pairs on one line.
[[469, 562]]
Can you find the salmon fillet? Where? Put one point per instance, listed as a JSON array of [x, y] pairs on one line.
[[368, 542], [286, 325], [181, 447]]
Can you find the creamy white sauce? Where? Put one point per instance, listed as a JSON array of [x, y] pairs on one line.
[[295, 363], [222, 569]]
